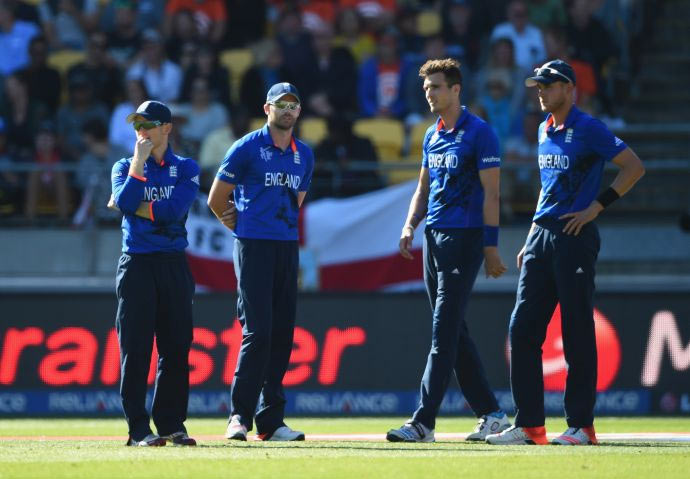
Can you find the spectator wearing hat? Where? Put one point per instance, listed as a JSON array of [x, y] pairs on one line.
[[527, 39], [47, 190], [80, 109], [162, 77]]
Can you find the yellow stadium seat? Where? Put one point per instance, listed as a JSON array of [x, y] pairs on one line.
[[63, 60], [428, 23], [237, 61], [313, 130], [388, 136]]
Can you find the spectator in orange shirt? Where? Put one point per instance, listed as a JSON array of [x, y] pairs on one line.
[[210, 17]]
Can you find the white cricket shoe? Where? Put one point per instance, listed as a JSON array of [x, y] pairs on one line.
[[577, 436], [519, 435], [411, 431], [151, 440], [236, 431], [283, 433], [493, 423]]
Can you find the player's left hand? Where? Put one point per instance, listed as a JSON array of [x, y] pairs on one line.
[[229, 216], [493, 265], [580, 218], [112, 205]]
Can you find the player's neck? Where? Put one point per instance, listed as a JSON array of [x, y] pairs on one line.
[[158, 153], [281, 138], [561, 114], [450, 116]]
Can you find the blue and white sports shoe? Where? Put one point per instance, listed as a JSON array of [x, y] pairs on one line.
[[493, 423], [411, 431]]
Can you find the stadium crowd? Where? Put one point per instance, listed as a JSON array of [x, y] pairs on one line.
[[72, 70]]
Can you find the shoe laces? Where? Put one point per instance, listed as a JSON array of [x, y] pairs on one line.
[[481, 424], [571, 431]]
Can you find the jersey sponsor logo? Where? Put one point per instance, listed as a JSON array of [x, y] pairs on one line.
[[443, 160], [173, 172], [618, 141], [297, 158], [282, 179], [458, 137], [157, 193], [556, 162], [491, 159], [265, 153], [117, 174], [543, 136], [569, 135], [195, 179], [227, 173]]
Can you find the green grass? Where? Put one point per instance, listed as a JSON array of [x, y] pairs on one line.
[[31, 457]]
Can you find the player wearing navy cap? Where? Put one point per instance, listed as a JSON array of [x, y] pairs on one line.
[[268, 173], [558, 260], [458, 191], [154, 190]]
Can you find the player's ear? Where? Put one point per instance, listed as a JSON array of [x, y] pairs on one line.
[[167, 128], [267, 108]]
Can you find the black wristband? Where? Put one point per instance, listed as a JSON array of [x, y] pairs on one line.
[[608, 196]]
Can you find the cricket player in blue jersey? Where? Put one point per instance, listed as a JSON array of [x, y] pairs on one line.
[[267, 172], [458, 192], [558, 260], [154, 190]]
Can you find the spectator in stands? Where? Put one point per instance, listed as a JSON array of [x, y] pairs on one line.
[[333, 79], [216, 144], [297, 47], [415, 98], [198, 117], [493, 105], [22, 115], [246, 22], [410, 42], [206, 65], [334, 174], [502, 59], [100, 70], [350, 34], [92, 177], [183, 32], [461, 34], [381, 79], [67, 22], [10, 184], [47, 190], [592, 43], [120, 133], [162, 77], [209, 16], [15, 36], [80, 109], [546, 13], [268, 69], [44, 82], [527, 39], [586, 88], [125, 39]]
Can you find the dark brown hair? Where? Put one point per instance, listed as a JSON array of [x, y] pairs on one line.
[[448, 66]]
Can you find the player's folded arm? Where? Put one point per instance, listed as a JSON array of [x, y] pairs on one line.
[[127, 190], [176, 207]]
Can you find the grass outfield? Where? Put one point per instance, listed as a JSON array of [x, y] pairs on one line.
[[32, 453]]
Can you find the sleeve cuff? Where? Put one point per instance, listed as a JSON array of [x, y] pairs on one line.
[[151, 211], [140, 178]]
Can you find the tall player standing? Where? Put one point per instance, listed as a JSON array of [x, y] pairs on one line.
[[458, 191]]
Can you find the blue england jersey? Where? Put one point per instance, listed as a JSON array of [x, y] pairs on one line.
[[571, 162], [170, 188], [454, 158], [267, 182]]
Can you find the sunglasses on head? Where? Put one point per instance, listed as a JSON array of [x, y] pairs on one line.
[[551, 71], [146, 125], [285, 105]]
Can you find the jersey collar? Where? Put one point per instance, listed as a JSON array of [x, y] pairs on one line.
[[569, 120], [442, 126], [168, 156], [266, 137]]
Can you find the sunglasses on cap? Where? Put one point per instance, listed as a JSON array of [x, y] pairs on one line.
[[551, 71], [146, 125], [285, 105]]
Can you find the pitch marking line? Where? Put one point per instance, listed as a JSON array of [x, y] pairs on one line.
[[448, 436]]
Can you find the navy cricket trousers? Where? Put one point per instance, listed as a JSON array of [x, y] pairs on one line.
[[266, 273], [154, 294], [556, 268], [452, 258]]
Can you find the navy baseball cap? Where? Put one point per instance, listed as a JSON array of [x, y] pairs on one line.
[[553, 71], [152, 111], [279, 90]]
